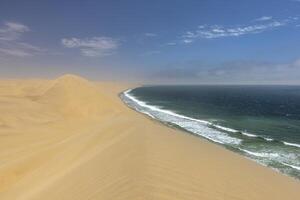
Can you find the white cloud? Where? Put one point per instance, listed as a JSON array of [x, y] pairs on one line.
[[92, 47], [10, 41], [150, 34], [217, 31], [264, 18], [12, 31], [14, 52], [187, 41], [171, 43], [149, 53], [19, 49], [17, 26]]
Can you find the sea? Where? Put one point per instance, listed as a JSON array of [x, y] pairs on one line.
[[261, 123]]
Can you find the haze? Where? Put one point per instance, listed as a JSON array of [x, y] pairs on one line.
[[181, 42]]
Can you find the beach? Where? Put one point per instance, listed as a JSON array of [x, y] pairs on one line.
[[258, 122], [71, 138]]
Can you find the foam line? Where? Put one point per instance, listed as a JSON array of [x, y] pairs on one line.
[[291, 144], [196, 126]]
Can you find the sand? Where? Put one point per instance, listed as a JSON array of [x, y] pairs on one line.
[[73, 139]]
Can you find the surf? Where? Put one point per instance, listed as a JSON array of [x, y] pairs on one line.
[[269, 152]]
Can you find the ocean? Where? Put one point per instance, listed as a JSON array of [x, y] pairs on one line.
[[259, 122]]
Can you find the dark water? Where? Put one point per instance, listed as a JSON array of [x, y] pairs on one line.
[[260, 122]]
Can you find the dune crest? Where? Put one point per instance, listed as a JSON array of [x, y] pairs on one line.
[[72, 139], [74, 96]]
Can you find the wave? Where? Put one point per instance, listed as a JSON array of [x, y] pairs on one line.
[[224, 128], [268, 153], [262, 154], [268, 139], [291, 144], [207, 123], [155, 108], [249, 134], [195, 126], [292, 166], [272, 156]]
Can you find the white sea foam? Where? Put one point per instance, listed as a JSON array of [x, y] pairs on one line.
[[196, 126], [226, 129], [260, 154], [213, 132], [256, 136], [248, 134], [291, 144], [147, 113], [268, 139], [292, 166], [277, 157], [209, 133], [155, 108]]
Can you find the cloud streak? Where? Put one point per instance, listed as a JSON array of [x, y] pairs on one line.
[[150, 53], [264, 18], [92, 47], [12, 31], [11, 43], [150, 34], [217, 31]]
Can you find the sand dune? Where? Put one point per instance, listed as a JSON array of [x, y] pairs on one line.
[[73, 139], [76, 97]]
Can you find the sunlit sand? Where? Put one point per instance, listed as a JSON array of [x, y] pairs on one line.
[[73, 139]]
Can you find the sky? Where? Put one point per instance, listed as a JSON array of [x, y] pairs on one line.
[[157, 41]]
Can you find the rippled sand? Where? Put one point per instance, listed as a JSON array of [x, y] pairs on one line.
[[73, 139]]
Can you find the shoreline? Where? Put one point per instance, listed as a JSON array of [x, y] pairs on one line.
[[105, 150], [184, 131]]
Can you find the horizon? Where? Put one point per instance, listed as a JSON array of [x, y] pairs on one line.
[[170, 42], [145, 84], [140, 99]]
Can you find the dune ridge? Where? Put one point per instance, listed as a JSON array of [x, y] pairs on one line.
[[73, 139], [74, 96]]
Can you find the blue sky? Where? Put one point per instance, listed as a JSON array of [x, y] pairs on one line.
[[182, 41]]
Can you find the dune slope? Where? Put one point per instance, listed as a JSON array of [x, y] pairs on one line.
[[73, 139], [74, 96]]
